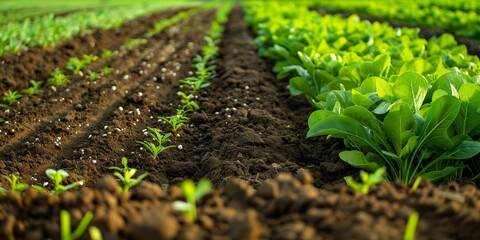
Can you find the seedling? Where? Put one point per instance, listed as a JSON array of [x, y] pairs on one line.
[[34, 89], [161, 140], [15, 186], [187, 101], [11, 97], [367, 180], [125, 175], [76, 65], [192, 194], [176, 121], [66, 229], [133, 42], [194, 83], [411, 226], [106, 70], [58, 176], [107, 54], [57, 78], [93, 75]]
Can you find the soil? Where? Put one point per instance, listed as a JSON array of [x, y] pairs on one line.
[[248, 138], [473, 45], [16, 71]]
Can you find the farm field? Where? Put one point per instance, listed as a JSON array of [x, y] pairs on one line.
[[225, 95]]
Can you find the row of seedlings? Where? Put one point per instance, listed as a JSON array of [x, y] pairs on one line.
[[204, 72]]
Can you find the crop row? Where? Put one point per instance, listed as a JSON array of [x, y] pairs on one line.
[[78, 66], [419, 13], [397, 100], [49, 30]]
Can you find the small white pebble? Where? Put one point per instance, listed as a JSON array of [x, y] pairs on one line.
[[114, 88], [180, 147]]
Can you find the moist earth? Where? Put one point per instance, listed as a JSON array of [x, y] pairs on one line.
[[248, 138]]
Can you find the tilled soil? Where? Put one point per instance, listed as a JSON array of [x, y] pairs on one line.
[[17, 70], [249, 134]]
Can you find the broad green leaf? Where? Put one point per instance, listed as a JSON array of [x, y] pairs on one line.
[[384, 90], [381, 64], [203, 187], [298, 85], [366, 69], [359, 99], [464, 150], [468, 118], [339, 126], [440, 116], [411, 88], [434, 176], [398, 122], [318, 116], [366, 118], [188, 190], [416, 65], [409, 147], [357, 159]]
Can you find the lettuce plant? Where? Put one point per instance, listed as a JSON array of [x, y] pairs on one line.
[[161, 139], [58, 176], [125, 176], [192, 194]]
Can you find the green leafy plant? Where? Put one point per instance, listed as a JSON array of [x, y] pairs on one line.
[[93, 75], [367, 180], [159, 147], [106, 70], [57, 78], [125, 176], [133, 42], [34, 89], [11, 97], [411, 226], [107, 54], [192, 194], [75, 65], [58, 176], [177, 120], [188, 103], [66, 228], [15, 185]]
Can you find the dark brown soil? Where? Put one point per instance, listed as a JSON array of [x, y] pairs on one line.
[[17, 70], [249, 134], [473, 45]]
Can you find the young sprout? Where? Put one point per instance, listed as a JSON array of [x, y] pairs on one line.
[[192, 194], [57, 78], [194, 83], [58, 176], [125, 175], [177, 120], [89, 58], [76, 65], [34, 89], [93, 75], [367, 180], [187, 101], [107, 54], [133, 42], [411, 226], [161, 140], [66, 228], [11, 97], [15, 186], [106, 70]]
